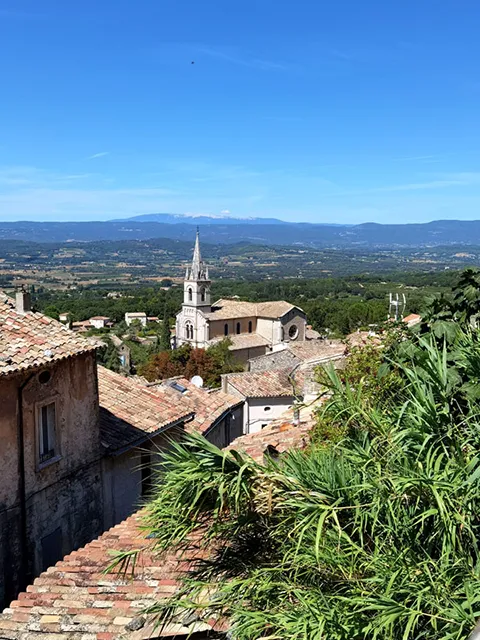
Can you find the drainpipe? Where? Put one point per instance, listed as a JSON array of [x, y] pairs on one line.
[[24, 580]]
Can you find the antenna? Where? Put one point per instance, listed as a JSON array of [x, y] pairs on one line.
[[396, 307]]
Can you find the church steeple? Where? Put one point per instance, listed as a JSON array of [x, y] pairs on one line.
[[197, 283], [198, 271]]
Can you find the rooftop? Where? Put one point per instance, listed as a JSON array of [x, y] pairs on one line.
[[130, 412], [225, 309], [244, 341], [76, 600], [30, 340], [280, 435], [317, 349], [208, 406], [262, 384]]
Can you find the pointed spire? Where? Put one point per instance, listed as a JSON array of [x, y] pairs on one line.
[[198, 271]]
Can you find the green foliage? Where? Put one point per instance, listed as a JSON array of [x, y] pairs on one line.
[[185, 361], [447, 314], [371, 537], [108, 356], [165, 337]]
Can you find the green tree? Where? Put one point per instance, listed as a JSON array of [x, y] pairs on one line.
[[164, 343]]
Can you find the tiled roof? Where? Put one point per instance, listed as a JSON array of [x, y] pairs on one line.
[[29, 340], [362, 338], [76, 600], [130, 411], [280, 435], [412, 319], [244, 341], [208, 406], [317, 349], [225, 309], [99, 318], [262, 384], [136, 314]]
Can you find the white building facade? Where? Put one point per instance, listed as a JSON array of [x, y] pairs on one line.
[[253, 328]]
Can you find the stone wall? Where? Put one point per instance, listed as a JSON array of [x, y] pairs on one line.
[[63, 495]]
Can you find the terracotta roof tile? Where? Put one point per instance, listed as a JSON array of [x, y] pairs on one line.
[[244, 341], [280, 435], [76, 600], [262, 384], [130, 411], [32, 340], [207, 405], [225, 309]]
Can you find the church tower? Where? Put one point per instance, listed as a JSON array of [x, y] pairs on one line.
[[196, 288]]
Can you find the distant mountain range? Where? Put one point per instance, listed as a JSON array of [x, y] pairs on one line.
[[252, 230]]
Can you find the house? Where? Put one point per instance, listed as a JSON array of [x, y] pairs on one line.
[[99, 322], [412, 319], [133, 316], [135, 421], [51, 498], [254, 328], [64, 318], [79, 599], [81, 326], [267, 394], [218, 416]]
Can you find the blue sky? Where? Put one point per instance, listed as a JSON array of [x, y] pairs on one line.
[[340, 111]]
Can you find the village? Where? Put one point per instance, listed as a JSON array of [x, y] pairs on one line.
[[81, 443]]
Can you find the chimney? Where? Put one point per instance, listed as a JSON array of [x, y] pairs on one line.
[[224, 383], [23, 302]]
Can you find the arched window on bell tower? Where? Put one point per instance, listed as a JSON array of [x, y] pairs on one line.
[[203, 294], [190, 294]]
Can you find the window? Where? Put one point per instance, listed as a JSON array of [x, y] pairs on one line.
[[46, 432], [238, 327], [225, 329], [293, 332], [267, 408], [190, 294], [202, 294], [189, 331], [250, 326]]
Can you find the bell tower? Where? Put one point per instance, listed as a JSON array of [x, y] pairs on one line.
[[196, 287]]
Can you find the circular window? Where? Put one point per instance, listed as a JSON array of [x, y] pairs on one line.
[[293, 332], [44, 377]]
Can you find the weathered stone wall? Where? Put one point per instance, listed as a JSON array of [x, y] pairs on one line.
[[64, 497], [274, 360]]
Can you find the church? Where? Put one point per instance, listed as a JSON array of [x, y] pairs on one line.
[[254, 328]]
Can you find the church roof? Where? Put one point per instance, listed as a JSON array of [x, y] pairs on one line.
[[225, 309]]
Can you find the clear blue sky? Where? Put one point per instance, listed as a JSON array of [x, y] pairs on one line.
[[339, 111]]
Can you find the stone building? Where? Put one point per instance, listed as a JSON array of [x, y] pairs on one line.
[[254, 328], [136, 316], [135, 422], [267, 394], [50, 459]]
